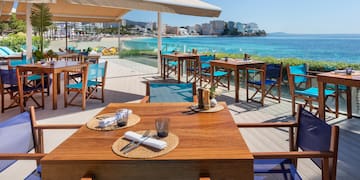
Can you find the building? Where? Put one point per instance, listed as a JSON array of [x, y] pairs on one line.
[[172, 30], [206, 29], [231, 25], [252, 28], [240, 27], [217, 27]]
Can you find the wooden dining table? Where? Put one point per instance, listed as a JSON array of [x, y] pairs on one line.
[[210, 144], [55, 69], [180, 58], [349, 81], [235, 65]]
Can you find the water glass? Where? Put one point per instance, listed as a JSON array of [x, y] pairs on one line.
[[348, 71], [122, 116], [162, 126]]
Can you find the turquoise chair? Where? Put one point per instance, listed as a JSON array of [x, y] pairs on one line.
[[20, 135], [193, 66], [298, 75], [313, 139], [94, 75], [170, 92], [170, 66]]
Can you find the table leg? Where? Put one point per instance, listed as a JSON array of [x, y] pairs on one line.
[[212, 70], [321, 100], [237, 85], [163, 61], [179, 69], [55, 90], [348, 102]]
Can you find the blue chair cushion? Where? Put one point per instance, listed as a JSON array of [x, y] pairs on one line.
[[216, 73], [35, 175], [171, 92], [80, 84], [313, 92], [267, 82], [172, 63], [16, 136], [275, 169]]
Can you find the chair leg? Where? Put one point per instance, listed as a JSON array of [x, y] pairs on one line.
[[293, 105]]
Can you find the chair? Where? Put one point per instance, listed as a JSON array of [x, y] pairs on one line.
[[297, 76], [170, 92], [20, 135], [316, 139], [170, 65], [28, 87], [193, 65], [8, 85], [94, 75], [13, 63], [270, 77], [218, 75]]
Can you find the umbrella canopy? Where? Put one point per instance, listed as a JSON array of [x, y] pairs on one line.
[[62, 10], [109, 10]]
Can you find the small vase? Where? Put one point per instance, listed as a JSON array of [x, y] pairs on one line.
[[213, 102]]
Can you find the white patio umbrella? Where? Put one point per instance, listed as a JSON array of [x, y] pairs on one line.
[[106, 10]]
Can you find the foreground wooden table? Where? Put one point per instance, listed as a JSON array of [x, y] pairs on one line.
[[56, 69], [235, 65], [209, 144], [331, 77]]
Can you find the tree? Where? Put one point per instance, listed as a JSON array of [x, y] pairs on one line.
[[16, 25], [41, 20]]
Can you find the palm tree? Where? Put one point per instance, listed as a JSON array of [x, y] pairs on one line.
[[41, 20]]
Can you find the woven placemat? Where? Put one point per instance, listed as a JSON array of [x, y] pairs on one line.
[[217, 108], [143, 151], [94, 122]]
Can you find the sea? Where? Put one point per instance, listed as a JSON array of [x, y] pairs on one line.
[[317, 47]]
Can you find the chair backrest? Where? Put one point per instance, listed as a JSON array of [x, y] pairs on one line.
[[12, 63], [314, 134], [274, 71], [298, 69], [206, 58], [8, 77], [171, 92], [96, 71], [16, 136]]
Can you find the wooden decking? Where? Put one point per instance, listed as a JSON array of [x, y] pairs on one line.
[[125, 83]]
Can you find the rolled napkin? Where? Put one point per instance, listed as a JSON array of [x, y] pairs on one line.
[[107, 121], [111, 120], [133, 136]]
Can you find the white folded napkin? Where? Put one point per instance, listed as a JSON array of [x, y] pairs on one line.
[[111, 120], [107, 121], [133, 136]]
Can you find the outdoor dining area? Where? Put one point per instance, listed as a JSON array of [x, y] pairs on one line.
[[172, 128]]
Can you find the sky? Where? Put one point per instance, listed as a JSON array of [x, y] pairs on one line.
[[290, 16]]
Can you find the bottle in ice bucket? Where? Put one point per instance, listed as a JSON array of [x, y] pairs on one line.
[[194, 51], [246, 56]]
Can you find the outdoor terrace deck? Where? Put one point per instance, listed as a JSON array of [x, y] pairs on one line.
[[125, 83]]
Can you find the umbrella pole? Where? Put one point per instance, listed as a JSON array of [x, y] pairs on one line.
[[66, 36], [159, 41], [28, 32]]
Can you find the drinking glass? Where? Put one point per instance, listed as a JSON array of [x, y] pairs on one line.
[[122, 116], [162, 126], [348, 70]]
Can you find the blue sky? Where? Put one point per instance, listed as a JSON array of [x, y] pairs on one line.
[[291, 16]]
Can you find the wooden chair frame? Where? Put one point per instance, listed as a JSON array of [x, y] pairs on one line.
[[262, 87], [86, 92], [308, 99], [329, 158], [38, 132]]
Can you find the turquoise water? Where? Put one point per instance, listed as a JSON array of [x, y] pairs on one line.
[[336, 48]]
